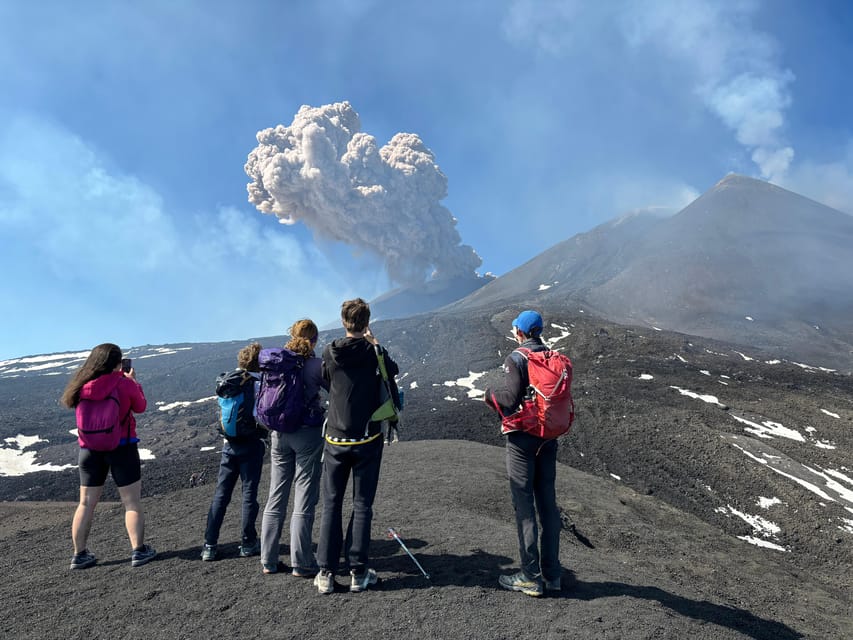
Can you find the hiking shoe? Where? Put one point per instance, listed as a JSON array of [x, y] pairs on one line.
[[520, 582], [324, 581], [248, 550], [209, 552], [142, 556], [360, 582], [83, 560], [553, 585]]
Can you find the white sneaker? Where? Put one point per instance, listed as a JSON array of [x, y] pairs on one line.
[[324, 581], [361, 582]]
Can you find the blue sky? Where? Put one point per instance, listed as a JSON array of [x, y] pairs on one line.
[[125, 128]]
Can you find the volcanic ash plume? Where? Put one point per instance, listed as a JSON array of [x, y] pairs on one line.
[[323, 171]]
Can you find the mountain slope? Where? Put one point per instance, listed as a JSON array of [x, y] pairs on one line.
[[747, 262]]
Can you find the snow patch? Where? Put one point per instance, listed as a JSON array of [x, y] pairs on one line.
[[645, 376], [830, 413], [805, 476], [704, 398], [769, 429], [760, 525], [15, 461], [766, 503], [413, 384], [179, 405], [758, 542], [613, 475], [467, 382]]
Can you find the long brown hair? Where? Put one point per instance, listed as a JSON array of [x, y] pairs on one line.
[[303, 337], [103, 359]]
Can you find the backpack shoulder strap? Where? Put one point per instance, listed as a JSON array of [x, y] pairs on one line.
[[520, 356]]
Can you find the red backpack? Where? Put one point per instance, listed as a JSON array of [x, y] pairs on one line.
[[551, 411]]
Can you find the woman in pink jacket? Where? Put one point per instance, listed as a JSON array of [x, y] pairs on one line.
[[101, 380]]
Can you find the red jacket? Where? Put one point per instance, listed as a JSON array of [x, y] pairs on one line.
[[131, 399]]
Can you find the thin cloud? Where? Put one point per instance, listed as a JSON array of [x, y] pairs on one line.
[[102, 257]]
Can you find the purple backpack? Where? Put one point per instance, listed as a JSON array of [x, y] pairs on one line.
[[281, 398], [99, 423]]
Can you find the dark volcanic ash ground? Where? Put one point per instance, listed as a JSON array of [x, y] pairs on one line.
[[635, 568], [731, 472]]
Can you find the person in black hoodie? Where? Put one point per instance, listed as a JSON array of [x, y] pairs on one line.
[[353, 447]]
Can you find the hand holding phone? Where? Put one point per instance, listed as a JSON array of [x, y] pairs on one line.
[[126, 365]]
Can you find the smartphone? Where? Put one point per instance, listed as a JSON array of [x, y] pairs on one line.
[[126, 364]]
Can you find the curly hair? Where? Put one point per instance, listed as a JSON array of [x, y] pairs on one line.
[[247, 358], [103, 359], [303, 337]]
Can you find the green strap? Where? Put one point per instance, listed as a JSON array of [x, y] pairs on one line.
[[381, 360]]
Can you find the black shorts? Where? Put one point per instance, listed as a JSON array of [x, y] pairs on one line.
[[123, 463]]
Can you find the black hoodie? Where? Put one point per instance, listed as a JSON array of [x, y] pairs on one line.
[[352, 370]]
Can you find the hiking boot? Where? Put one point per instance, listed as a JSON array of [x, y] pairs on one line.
[[248, 550], [83, 560], [520, 582], [209, 552], [324, 581], [553, 585], [360, 582], [142, 556]]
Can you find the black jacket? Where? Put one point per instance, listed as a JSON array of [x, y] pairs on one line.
[[516, 379], [352, 371]]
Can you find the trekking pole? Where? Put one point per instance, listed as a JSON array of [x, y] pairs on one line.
[[393, 534]]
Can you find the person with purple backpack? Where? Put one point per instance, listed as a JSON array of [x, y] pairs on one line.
[[289, 404], [105, 397]]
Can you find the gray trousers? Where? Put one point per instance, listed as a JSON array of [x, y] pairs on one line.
[[531, 465], [294, 460]]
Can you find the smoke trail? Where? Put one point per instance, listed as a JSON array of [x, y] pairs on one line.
[[738, 75], [735, 68], [321, 170]]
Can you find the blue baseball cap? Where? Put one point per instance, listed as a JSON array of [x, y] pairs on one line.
[[528, 322]]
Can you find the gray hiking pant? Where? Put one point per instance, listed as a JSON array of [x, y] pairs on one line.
[[294, 459]]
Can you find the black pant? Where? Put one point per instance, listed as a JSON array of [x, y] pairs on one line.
[[531, 464], [363, 462], [242, 461]]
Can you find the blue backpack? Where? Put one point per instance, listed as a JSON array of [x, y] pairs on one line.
[[281, 401], [236, 395]]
